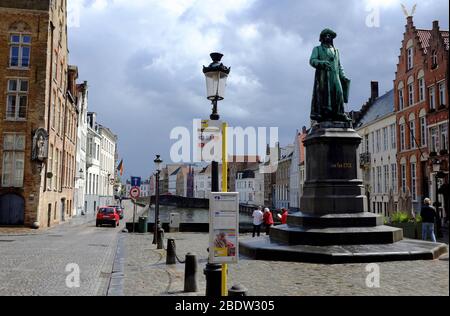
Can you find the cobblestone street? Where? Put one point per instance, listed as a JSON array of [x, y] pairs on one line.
[[34, 264], [147, 274]]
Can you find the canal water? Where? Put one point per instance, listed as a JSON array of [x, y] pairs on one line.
[[188, 215]]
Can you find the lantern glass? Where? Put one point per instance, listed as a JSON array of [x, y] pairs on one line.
[[158, 163], [436, 166], [216, 82]]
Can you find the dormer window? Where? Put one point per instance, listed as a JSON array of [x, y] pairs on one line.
[[434, 59]]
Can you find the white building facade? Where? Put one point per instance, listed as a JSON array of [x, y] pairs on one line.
[[250, 186], [107, 165], [82, 135], [378, 153]]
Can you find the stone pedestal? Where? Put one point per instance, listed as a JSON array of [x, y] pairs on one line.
[[333, 206]]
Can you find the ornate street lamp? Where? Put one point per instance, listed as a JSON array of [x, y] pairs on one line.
[[157, 238], [216, 75]]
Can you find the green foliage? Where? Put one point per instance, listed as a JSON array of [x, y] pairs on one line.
[[419, 218], [399, 217]]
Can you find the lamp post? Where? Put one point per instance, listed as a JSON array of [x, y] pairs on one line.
[[436, 169], [216, 75], [157, 240]]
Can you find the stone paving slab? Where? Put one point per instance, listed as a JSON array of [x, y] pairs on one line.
[[147, 275]]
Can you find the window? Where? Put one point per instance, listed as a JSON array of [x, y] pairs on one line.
[[412, 134], [379, 180], [50, 167], [443, 131], [442, 98], [373, 141], [373, 179], [394, 177], [413, 181], [432, 92], [434, 59], [421, 89], [20, 49], [401, 99], [423, 131], [54, 111], [378, 141], [385, 139], [17, 99], [411, 94], [386, 179], [434, 139], [13, 160], [410, 53], [393, 136], [403, 175], [56, 169], [402, 137]]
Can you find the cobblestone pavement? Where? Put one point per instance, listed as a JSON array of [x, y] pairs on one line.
[[147, 274], [35, 264]]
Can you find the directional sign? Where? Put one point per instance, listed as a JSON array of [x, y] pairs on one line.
[[135, 192], [135, 181]]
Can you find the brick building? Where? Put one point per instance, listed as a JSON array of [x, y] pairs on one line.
[[413, 88], [37, 114]]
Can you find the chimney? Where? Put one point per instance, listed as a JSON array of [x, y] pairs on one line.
[[374, 91], [436, 26]]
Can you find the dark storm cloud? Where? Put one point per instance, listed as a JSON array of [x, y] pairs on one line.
[[143, 60]]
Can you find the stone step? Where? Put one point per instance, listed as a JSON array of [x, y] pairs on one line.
[[297, 235], [336, 220]]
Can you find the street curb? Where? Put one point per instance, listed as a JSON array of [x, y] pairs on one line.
[[116, 282]]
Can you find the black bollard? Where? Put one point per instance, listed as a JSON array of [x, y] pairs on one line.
[[237, 290], [190, 274], [160, 244], [213, 273], [171, 252]]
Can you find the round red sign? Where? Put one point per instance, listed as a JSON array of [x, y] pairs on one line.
[[135, 192]]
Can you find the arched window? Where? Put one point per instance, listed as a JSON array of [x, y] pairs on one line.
[[401, 97], [412, 131], [411, 91], [421, 79], [19, 45], [434, 59], [410, 54]]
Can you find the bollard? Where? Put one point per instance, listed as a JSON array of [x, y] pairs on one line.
[[160, 244], [171, 252], [237, 291], [213, 273], [190, 274]]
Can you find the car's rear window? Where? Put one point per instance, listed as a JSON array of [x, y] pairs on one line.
[[106, 210]]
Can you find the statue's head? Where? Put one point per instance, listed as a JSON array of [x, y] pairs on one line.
[[327, 36]]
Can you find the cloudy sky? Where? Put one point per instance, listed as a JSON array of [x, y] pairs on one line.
[[143, 61]]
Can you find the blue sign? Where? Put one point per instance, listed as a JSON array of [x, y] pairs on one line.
[[135, 181]]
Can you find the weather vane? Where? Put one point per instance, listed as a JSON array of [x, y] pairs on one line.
[[405, 10]]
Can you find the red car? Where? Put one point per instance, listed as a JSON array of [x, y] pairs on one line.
[[108, 216]]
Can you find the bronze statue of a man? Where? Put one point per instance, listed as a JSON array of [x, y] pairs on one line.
[[331, 86]]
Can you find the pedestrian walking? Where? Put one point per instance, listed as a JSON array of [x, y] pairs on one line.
[[268, 220], [257, 221], [284, 215], [428, 214]]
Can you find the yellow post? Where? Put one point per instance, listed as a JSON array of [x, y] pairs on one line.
[[224, 189]]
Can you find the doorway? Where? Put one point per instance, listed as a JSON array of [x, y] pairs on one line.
[[63, 210]]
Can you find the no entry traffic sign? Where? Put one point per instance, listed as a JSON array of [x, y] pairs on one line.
[[135, 192]]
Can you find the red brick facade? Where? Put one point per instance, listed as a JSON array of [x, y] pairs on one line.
[[415, 74]]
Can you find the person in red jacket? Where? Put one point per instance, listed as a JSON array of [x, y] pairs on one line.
[[284, 216], [268, 220]]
